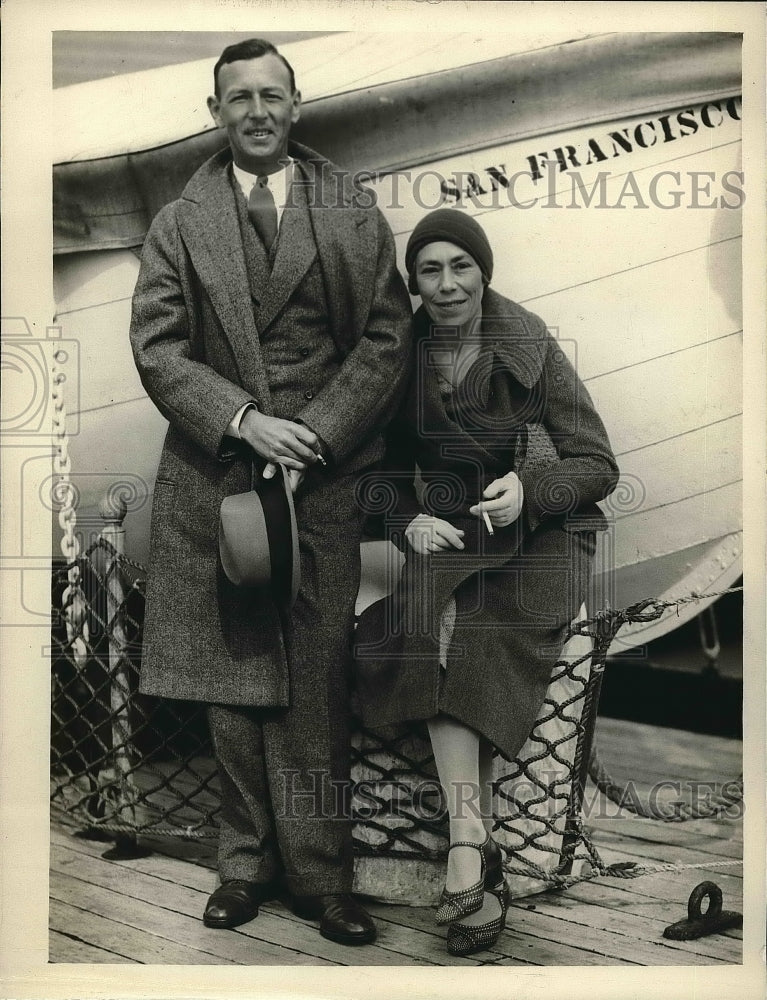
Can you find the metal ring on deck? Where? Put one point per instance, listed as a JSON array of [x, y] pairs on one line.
[[702, 891]]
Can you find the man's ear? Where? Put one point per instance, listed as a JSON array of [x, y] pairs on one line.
[[296, 113], [213, 106]]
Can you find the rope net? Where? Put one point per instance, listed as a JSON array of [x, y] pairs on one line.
[[124, 764]]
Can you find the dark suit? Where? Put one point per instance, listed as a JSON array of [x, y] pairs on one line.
[[213, 329]]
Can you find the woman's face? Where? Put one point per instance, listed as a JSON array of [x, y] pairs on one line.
[[450, 283]]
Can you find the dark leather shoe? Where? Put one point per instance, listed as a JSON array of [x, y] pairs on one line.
[[341, 917], [236, 902]]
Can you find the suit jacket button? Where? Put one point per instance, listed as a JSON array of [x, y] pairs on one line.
[[304, 352], [309, 395]]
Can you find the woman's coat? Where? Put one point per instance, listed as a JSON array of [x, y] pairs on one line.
[[520, 407]]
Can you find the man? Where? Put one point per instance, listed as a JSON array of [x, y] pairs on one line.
[[270, 325]]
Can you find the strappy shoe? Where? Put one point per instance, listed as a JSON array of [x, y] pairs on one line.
[[455, 905], [466, 939]]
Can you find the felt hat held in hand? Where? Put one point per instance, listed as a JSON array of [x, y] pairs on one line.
[[258, 538]]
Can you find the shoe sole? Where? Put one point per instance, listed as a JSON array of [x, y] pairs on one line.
[[223, 925], [368, 937], [355, 939]]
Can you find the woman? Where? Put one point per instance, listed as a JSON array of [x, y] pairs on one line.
[[499, 543]]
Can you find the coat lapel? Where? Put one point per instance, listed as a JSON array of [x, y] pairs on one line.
[[514, 335], [211, 233], [345, 242], [346, 246]]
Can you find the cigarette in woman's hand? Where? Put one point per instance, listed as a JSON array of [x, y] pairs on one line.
[[488, 522]]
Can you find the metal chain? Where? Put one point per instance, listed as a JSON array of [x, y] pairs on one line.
[[73, 601]]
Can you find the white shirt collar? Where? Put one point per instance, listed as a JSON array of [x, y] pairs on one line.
[[279, 182]]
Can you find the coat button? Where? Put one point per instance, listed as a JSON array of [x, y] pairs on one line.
[[309, 395], [304, 352]]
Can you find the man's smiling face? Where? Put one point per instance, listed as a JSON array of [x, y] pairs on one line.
[[257, 107]]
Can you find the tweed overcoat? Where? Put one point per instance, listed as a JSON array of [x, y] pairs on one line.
[[196, 345], [520, 407]]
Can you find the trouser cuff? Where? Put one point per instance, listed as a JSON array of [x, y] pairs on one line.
[[319, 883]]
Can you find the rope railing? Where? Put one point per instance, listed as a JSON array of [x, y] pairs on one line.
[[129, 765], [720, 803]]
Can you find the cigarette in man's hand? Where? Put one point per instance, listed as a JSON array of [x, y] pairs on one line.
[[488, 522], [320, 458]]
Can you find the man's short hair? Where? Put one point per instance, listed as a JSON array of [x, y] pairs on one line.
[[251, 48]]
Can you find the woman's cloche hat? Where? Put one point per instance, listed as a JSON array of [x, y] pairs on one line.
[[449, 225]]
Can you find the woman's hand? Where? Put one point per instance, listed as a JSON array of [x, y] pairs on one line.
[[503, 500], [431, 534]]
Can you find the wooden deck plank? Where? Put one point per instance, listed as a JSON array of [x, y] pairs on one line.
[[175, 873], [159, 931], [416, 916], [600, 936], [706, 746], [598, 811], [711, 830], [539, 933], [656, 851], [515, 948], [615, 913], [658, 754], [70, 949], [660, 885], [117, 938], [275, 924], [664, 911], [664, 891], [392, 947], [664, 769], [545, 947], [199, 851], [430, 944], [151, 907], [667, 835], [165, 866]]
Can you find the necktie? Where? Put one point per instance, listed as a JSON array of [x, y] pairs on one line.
[[263, 211]]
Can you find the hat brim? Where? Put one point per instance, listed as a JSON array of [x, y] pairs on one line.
[[258, 539]]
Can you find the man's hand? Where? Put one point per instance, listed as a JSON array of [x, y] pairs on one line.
[[292, 445], [504, 499], [431, 534]]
